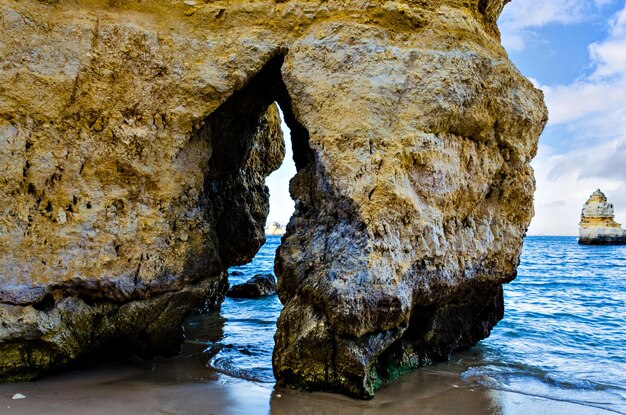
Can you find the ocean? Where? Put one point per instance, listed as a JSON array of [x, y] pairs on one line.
[[563, 336]]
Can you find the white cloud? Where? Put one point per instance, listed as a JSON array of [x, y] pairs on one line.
[[592, 110], [603, 161], [572, 102], [565, 181], [522, 14], [281, 204], [610, 55], [595, 105], [520, 17]]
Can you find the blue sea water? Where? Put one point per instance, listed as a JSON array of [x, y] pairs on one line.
[[564, 328], [563, 336], [243, 330]]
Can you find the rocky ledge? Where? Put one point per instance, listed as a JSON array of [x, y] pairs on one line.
[[597, 223], [135, 137]]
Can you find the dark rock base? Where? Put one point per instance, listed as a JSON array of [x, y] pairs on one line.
[[78, 331], [607, 240], [432, 334]]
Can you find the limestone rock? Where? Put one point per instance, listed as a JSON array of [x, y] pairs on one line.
[[275, 229], [258, 286], [411, 213], [597, 223], [135, 137], [133, 177]]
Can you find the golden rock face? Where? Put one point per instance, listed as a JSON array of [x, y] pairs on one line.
[[135, 137], [597, 222]]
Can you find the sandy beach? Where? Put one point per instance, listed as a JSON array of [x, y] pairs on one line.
[[168, 386]]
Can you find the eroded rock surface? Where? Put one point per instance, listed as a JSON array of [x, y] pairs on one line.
[[597, 222], [413, 214], [135, 137]]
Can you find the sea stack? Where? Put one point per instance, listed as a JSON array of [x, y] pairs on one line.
[[275, 229], [597, 224], [136, 135]]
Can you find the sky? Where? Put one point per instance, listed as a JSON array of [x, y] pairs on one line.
[[575, 51], [281, 204]]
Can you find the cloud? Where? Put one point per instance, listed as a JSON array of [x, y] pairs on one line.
[[565, 181], [536, 13], [521, 17], [568, 103], [595, 106], [603, 161], [610, 55], [592, 110], [281, 204]]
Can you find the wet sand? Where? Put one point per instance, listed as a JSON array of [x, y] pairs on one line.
[[168, 386]]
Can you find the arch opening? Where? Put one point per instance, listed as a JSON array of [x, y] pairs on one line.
[[245, 148]]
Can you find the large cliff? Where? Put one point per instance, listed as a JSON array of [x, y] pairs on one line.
[[136, 135], [597, 222]]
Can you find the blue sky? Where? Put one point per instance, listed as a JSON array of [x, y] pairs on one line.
[[575, 51]]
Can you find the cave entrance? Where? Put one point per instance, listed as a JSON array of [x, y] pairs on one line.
[[238, 339]]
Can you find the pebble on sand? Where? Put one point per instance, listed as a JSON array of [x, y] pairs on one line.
[[18, 396]]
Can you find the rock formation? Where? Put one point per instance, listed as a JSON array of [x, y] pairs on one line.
[[135, 137], [597, 224], [258, 286], [275, 229], [134, 162]]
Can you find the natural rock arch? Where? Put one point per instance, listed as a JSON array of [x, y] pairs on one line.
[[135, 144], [235, 129]]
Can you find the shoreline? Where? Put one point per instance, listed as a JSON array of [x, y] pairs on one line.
[[531, 363], [165, 386]]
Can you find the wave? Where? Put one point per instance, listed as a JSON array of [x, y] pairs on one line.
[[562, 337], [532, 381]]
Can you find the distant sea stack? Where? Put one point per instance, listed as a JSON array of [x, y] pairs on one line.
[[275, 229], [597, 226]]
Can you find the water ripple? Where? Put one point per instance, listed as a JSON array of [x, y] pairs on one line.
[[564, 325], [563, 336]]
